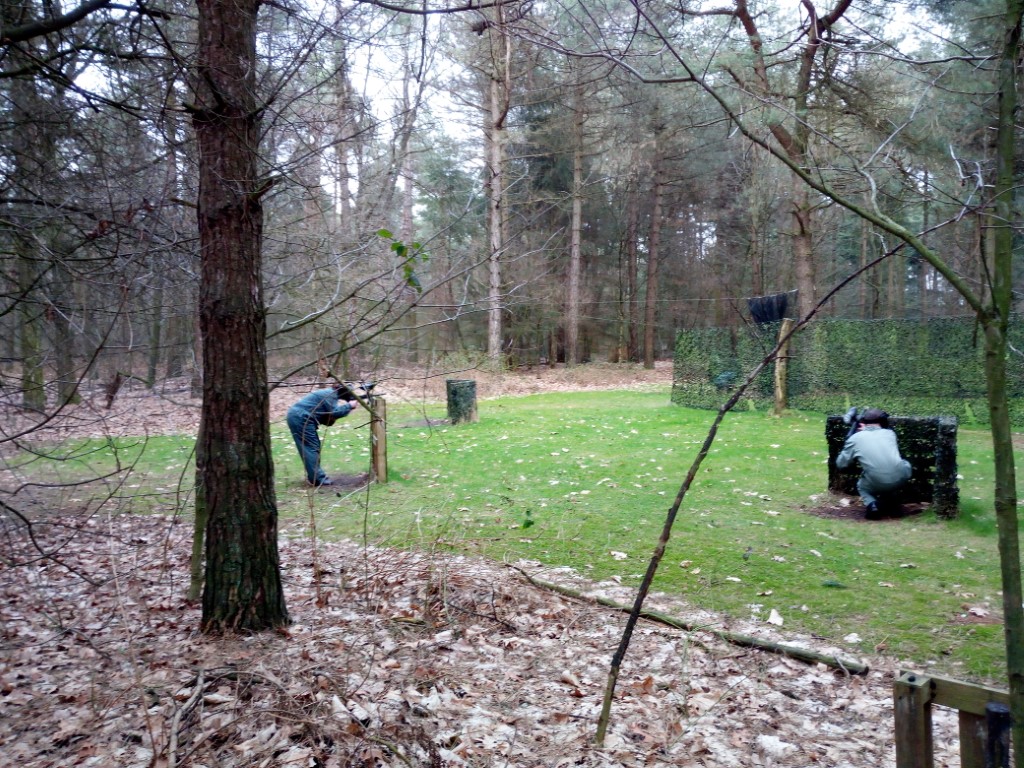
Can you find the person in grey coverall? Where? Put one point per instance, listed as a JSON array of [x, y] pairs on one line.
[[874, 446], [321, 406]]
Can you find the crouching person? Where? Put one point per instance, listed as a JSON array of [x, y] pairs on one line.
[[322, 406], [874, 447]]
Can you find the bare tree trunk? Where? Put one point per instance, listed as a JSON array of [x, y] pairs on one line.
[[653, 256], [996, 325], [781, 367], [32, 153], [344, 130], [794, 139], [756, 259], [572, 308], [897, 295], [921, 264], [196, 384], [499, 90], [64, 338], [407, 170], [803, 249], [412, 343], [30, 320], [632, 265], [156, 332], [242, 589], [863, 285], [177, 339]]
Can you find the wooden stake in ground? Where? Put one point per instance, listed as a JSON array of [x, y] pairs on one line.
[[379, 441]]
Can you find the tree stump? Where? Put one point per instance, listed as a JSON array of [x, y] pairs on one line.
[[461, 400]]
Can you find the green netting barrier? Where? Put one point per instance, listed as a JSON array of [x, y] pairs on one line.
[[908, 367]]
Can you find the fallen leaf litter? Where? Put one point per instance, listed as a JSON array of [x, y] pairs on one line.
[[408, 659]]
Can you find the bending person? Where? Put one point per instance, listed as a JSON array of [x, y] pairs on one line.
[[874, 446], [321, 406]]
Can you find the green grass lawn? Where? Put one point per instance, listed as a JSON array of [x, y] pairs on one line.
[[586, 479]]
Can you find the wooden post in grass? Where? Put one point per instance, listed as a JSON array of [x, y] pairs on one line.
[[781, 366], [913, 713], [379, 441], [461, 400]]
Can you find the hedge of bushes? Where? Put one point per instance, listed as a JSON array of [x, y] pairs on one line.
[[907, 367]]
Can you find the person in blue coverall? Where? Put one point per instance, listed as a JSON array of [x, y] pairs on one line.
[[874, 447], [322, 406]]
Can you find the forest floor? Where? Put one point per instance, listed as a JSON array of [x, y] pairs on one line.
[[395, 658]]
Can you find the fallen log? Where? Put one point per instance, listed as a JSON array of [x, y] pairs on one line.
[[849, 666]]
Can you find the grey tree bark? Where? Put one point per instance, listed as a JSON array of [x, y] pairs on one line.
[[499, 95]]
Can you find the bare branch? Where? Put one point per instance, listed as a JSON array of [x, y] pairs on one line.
[[48, 26]]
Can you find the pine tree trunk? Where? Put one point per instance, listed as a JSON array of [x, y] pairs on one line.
[[32, 151], [243, 581], [64, 338], [651, 297], [572, 308], [632, 261], [498, 94], [156, 332]]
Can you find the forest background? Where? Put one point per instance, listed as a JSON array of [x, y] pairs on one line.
[[616, 213], [257, 188]]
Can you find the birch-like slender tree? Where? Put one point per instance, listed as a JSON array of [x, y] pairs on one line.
[[499, 96]]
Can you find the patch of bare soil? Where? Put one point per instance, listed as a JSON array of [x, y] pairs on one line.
[[850, 508], [395, 659]]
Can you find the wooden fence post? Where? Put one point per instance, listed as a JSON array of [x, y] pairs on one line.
[[984, 721], [379, 441], [913, 712], [972, 740]]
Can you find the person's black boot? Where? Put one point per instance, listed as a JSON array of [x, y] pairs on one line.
[[872, 511]]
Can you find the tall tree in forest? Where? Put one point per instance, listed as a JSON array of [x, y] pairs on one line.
[[32, 158], [792, 127], [654, 242], [573, 298], [994, 314], [499, 97], [243, 588]]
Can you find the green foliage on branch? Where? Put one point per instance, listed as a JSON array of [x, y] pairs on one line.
[[409, 255]]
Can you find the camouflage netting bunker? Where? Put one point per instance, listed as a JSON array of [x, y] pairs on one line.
[[928, 443], [925, 367], [461, 400]]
